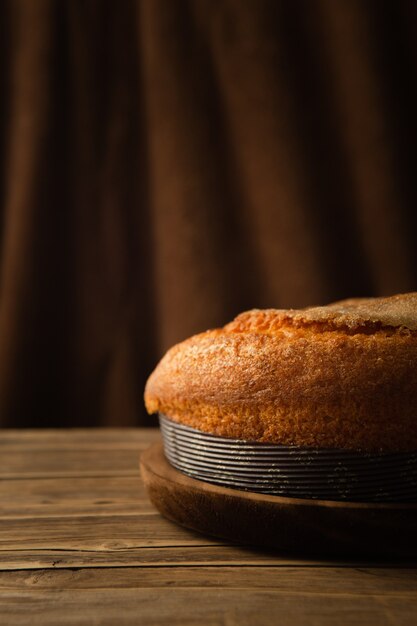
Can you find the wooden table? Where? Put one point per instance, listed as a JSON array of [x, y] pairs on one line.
[[81, 544]]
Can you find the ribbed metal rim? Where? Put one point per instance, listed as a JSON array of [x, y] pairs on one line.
[[289, 470]]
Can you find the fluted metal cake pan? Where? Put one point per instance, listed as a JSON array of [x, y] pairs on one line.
[[354, 480], [290, 470], [381, 495], [272, 462]]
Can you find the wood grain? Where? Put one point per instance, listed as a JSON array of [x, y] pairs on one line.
[[68, 463], [43, 497], [78, 438], [80, 543], [163, 556], [208, 606], [95, 532], [295, 580]]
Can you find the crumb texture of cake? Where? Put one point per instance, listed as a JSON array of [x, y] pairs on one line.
[[340, 376]]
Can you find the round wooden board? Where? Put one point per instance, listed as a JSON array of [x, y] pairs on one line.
[[307, 527]]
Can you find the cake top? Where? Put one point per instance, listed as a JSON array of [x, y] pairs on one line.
[[342, 376], [394, 312]]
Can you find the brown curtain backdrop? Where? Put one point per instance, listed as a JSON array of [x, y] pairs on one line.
[[166, 164]]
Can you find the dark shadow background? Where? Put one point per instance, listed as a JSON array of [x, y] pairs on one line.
[[166, 164]]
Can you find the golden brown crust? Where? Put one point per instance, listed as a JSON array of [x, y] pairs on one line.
[[342, 376]]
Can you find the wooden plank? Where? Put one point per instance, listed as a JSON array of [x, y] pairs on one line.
[[208, 606], [82, 453], [95, 532], [101, 533], [295, 580], [299, 580], [69, 463], [73, 497], [213, 554], [81, 438], [190, 556]]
